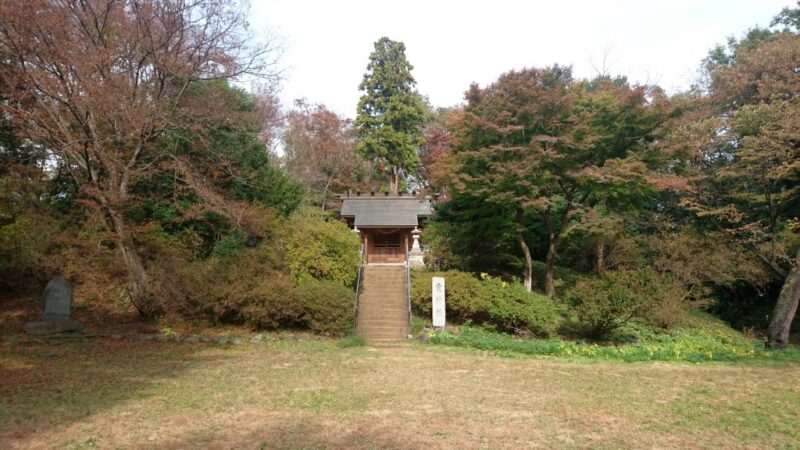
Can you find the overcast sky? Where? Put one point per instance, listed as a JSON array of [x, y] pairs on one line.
[[454, 43]]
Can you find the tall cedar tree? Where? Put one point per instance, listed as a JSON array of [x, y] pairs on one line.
[[537, 145], [390, 113], [98, 82]]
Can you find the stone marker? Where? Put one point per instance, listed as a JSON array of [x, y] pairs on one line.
[[57, 299], [437, 297], [57, 302]]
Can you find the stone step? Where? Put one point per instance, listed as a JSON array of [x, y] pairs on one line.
[[386, 325], [383, 301], [383, 304], [382, 298], [383, 321], [383, 332], [401, 314], [385, 338], [365, 308], [382, 294], [368, 310]]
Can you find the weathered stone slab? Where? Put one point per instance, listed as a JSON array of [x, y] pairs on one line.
[[57, 299], [438, 300], [52, 326]]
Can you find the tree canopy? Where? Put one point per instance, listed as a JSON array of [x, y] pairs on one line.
[[390, 113], [540, 146]]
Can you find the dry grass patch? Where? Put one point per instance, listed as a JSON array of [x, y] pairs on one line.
[[315, 394]]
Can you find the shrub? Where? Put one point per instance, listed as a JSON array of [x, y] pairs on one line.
[[602, 305], [465, 297], [247, 285], [506, 306], [231, 244], [326, 305], [235, 294], [24, 241], [270, 304], [512, 308], [321, 249]]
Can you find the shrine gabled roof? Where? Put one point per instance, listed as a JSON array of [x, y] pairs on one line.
[[386, 211]]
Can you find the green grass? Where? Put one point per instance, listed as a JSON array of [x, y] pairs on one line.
[[352, 341], [418, 323], [102, 393], [703, 339]]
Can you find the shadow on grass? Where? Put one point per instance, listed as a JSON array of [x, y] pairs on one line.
[[290, 431], [50, 386]]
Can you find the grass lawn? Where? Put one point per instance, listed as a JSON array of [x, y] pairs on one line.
[[102, 393]]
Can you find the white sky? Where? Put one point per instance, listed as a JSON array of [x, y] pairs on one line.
[[454, 43]]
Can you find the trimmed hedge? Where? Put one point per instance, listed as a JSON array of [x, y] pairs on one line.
[[322, 307], [507, 306]]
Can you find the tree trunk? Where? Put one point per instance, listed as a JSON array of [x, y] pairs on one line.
[[785, 309], [138, 280], [395, 182], [600, 251], [554, 235], [550, 266], [528, 262]]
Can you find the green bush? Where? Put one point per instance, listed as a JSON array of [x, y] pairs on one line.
[[506, 306], [231, 244], [250, 292], [465, 297], [327, 306], [601, 305], [321, 249], [512, 308], [321, 307]]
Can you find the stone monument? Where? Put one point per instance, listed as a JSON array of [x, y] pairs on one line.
[[438, 302], [57, 301]]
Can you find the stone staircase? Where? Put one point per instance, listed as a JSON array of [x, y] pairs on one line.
[[383, 304]]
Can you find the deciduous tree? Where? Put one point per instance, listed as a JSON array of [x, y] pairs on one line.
[[99, 82], [742, 141], [320, 152], [538, 144]]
